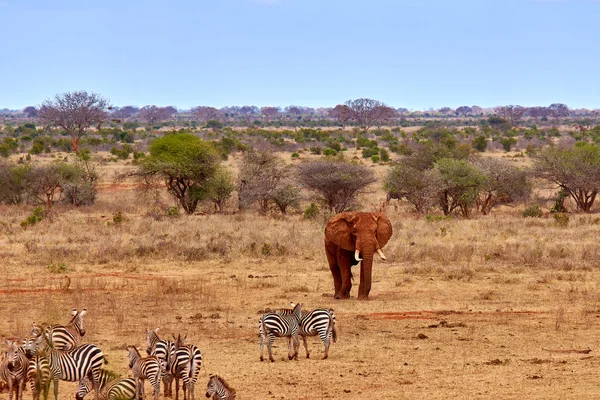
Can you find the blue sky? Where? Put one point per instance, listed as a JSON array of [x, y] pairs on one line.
[[407, 53]]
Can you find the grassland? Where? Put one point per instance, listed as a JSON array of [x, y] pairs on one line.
[[462, 308]]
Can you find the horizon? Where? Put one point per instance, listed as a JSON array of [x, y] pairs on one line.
[[419, 55]]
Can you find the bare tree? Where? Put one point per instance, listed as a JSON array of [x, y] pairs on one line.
[[270, 113], [204, 113], [342, 113], [336, 182], [511, 113], [364, 111], [153, 114], [558, 111], [75, 112]]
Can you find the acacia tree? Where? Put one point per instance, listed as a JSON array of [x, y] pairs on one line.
[[558, 111], [154, 114], [124, 112], [337, 183], [364, 111], [511, 113], [419, 187], [270, 113], [463, 111], [186, 163], [575, 169], [75, 112], [384, 114], [342, 113], [204, 113]]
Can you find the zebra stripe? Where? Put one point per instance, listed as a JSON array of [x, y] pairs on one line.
[[150, 368], [219, 389], [120, 389], [320, 322], [63, 337], [13, 369], [273, 325]]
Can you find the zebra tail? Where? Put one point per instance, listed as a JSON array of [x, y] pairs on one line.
[[105, 361], [333, 330]]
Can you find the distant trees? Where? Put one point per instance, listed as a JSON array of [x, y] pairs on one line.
[[575, 169], [185, 163], [75, 112], [30, 111], [337, 183], [270, 113], [511, 113], [204, 113], [124, 112], [463, 111], [341, 113], [153, 114], [558, 111]]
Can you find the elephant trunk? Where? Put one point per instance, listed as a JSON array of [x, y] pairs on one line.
[[366, 270]]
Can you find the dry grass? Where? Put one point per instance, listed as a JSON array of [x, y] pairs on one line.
[[455, 312]]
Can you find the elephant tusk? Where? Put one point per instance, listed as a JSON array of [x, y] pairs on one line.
[[381, 254], [357, 255]]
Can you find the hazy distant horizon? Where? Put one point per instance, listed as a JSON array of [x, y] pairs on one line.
[[415, 54]]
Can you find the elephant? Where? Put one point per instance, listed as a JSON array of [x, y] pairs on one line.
[[348, 237]]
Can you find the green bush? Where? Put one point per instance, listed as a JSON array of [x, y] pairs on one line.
[[36, 216], [295, 155], [532, 211], [311, 212], [375, 159], [329, 152]]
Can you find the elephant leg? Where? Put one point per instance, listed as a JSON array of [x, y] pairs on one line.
[[335, 271], [344, 261]]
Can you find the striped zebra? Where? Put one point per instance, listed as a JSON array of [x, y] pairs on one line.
[[111, 386], [185, 365], [164, 350], [150, 368], [319, 321], [38, 370], [219, 389], [72, 365], [272, 325], [63, 337], [13, 369]]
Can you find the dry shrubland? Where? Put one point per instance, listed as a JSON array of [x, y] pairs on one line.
[[462, 308]]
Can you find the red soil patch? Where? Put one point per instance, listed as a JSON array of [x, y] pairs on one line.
[[437, 314]]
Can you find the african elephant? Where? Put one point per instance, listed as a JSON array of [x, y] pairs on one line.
[[348, 237]]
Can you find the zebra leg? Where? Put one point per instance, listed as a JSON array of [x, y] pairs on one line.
[[294, 356], [55, 388], [270, 346], [262, 345], [176, 388], [305, 341], [326, 343]]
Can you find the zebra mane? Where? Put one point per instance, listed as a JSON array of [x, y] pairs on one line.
[[136, 350], [218, 378]]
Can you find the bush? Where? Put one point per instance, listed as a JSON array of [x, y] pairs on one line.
[[172, 212], [561, 219], [295, 155], [532, 211], [375, 159], [329, 152], [122, 153], [36, 216], [311, 212], [384, 154]]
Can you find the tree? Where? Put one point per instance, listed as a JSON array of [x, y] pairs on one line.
[[336, 182], [75, 112], [270, 113], [153, 114], [383, 115], [47, 182], [124, 112], [203, 113], [30, 111], [363, 111], [288, 195], [575, 169], [14, 181], [463, 111], [342, 113], [220, 189], [214, 124], [186, 163], [460, 184], [512, 114], [558, 111], [262, 174], [419, 187], [537, 112], [479, 143], [445, 110], [504, 183]]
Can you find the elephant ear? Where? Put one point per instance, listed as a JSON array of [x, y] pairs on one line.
[[339, 229], [384, 228]]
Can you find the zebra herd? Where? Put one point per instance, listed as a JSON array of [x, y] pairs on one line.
[[54, 352]]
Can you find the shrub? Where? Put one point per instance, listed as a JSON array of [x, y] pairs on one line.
[[375, 159], [311, 212], [36, 216], [329, 152], [295, 155], [532, 211], [561, 219], [172, 212], [118, 218]]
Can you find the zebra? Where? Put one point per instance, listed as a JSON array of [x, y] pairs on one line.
[[63, 337], [150, 368], [111, 385], [319, 321], [185, 365], [280, 325], [38, 370], [13, 369], [72, 365], [219, 389], [164, 350]]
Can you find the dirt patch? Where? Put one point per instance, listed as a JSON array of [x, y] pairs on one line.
[[398, 316]]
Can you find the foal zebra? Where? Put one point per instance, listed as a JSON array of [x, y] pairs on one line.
[[150, 368], [63, 337], [13, 369], [219, 389], [111, 386], [274, 325], [38, 370], [319, 321]]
